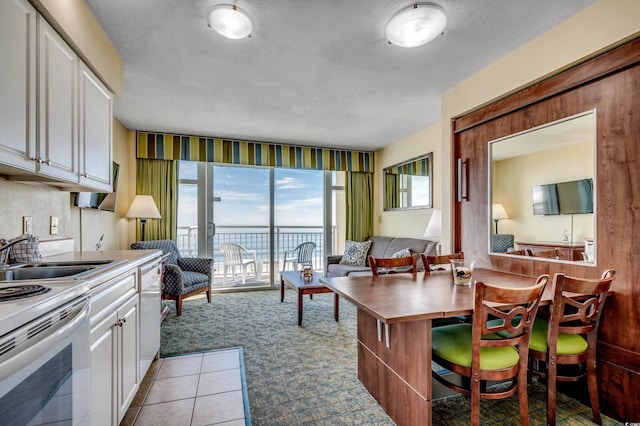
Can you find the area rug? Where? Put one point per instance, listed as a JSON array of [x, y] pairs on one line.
[[307, 375]]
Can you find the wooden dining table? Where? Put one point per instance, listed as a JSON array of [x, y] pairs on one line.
[[394, 314]]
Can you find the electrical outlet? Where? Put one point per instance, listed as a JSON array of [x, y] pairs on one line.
[[54, 225], [27, 225]]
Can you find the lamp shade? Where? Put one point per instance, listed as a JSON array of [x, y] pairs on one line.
[[434, 227], [499, 212], [416, 25], [143, 206], [230, 21]]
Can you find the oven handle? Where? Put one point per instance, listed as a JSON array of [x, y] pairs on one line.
[[46, 340]]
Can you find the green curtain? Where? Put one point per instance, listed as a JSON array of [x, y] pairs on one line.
[[359, 200], [391, 191], [159, 178]]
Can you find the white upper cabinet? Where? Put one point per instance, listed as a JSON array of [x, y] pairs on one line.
[[18, 84], [95, 126], [55, 114], [58, 105]]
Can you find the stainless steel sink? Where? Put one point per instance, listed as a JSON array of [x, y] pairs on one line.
[[48, 270]]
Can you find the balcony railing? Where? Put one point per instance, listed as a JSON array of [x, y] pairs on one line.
[[257, 238]]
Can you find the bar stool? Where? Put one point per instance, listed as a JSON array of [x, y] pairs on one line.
[[569, 337]]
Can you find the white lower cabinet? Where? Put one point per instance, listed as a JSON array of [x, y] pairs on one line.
[[114, 349]]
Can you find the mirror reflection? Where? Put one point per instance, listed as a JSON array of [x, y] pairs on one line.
[[408, 185], [542, 191]]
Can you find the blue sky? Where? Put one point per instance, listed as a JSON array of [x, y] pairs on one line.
[[244, 193]]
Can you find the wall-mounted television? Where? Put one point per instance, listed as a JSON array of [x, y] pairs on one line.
[[574, 197], [99, 200]]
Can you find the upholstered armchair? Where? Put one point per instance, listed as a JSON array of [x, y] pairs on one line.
[[183, 276]]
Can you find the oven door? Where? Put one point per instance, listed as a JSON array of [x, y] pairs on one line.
[[45, 375]]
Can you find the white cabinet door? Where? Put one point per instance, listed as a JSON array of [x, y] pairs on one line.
[[95, 126], [18, 84], [57, 104], [128, 355], [103, 369]]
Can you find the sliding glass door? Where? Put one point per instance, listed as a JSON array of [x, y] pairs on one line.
[[250, 219]]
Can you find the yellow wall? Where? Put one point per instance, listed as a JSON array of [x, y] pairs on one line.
[[600, 26], [75, 22], [409, 223], [88, 225]]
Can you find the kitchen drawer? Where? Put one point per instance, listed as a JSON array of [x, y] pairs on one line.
[[107, 297]]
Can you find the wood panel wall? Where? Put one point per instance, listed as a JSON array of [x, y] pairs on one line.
[[610, 85]]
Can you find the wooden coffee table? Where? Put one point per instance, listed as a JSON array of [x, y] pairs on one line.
[[295, 281]]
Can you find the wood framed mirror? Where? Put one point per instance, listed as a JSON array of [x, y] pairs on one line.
[[409, 185], [542, 192]]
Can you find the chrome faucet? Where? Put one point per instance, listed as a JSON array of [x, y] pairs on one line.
[[5, 247]]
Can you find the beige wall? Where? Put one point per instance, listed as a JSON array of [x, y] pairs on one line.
[[604, 24], [513, 179]]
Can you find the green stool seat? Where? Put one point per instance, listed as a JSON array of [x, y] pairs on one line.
[[568, 344], [453, 343]]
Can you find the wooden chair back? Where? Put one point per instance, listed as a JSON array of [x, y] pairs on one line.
[[435, 262], [518, 252], [380, 265], [507, 316], [547, 254]]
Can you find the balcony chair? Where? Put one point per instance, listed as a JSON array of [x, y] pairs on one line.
[[301, 255], [569, 336], [494, 348], [235, 255], [393, 265], [183, 276]]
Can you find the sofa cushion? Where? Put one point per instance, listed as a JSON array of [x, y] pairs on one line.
[[355, 253], [337, 270]]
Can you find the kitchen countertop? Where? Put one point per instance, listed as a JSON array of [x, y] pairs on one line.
[[128, 259]]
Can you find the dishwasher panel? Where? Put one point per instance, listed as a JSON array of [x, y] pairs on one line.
[[150, 308]]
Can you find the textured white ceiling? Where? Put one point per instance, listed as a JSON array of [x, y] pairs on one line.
[[316, 72]]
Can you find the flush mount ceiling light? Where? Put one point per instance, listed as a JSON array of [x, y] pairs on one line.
[[230, 21], [416, 25]]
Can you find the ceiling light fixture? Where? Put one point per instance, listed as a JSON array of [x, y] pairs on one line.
[[230, 21], [416, 25]]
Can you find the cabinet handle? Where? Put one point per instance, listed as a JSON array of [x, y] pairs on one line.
[[85, 175], [39, 160], [48, 162]]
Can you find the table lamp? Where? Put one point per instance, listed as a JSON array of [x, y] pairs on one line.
[[434, 228], [499, 213], [143, 208]]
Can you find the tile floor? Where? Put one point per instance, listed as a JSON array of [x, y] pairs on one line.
[[192, 390]]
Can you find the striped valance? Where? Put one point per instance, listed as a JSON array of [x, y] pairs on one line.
[[162, 146], [419, 167]]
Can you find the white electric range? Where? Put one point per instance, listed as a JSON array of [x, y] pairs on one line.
[[44, 352]]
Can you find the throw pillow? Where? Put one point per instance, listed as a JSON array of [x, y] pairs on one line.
[[402, 253], [355, 253]]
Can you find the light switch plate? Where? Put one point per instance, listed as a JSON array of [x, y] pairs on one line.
[[27, 225], [54, 225]]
